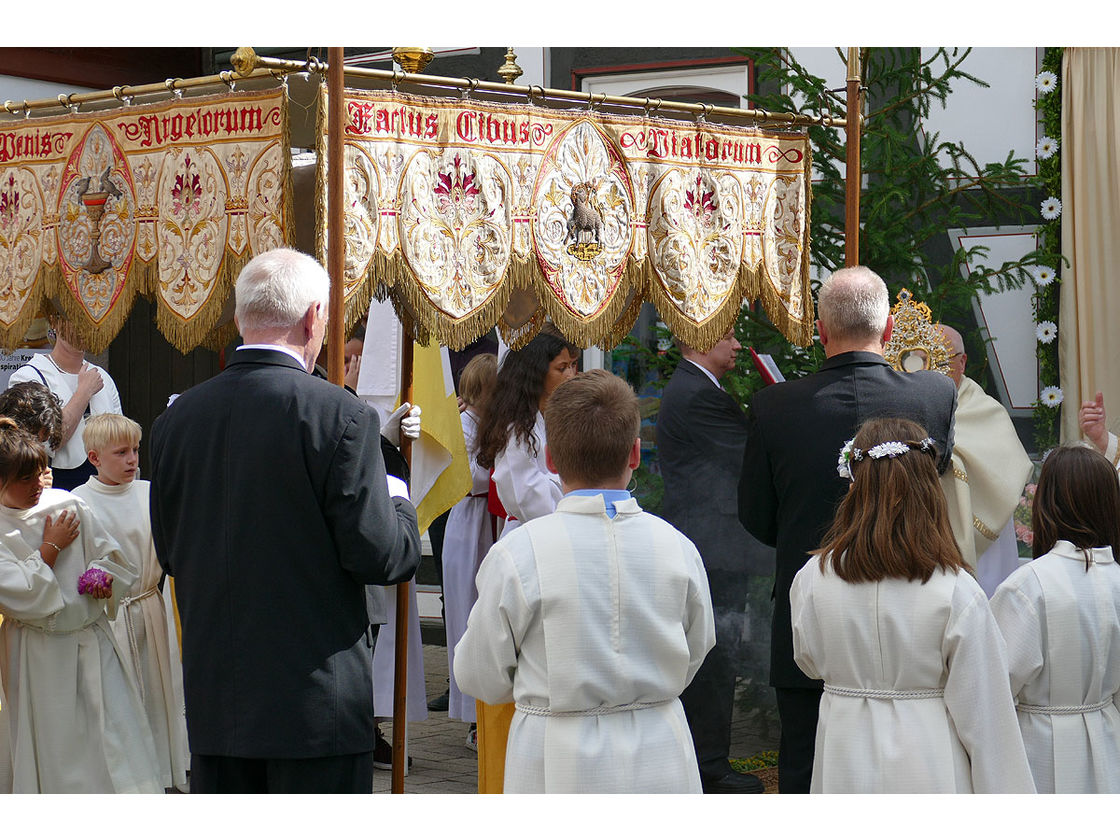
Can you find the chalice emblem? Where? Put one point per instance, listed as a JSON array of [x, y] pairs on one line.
[[94, 199]]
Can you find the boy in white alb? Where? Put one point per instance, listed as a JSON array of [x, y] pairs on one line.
[[120, 502], [593, 619]]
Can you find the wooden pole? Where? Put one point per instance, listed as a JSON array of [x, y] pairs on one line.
[[853, 175], [336, 246], [400, 663]]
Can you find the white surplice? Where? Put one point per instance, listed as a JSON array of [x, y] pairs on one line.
[[526, 487], [578, 615], [141, 622], [469, 535], [1061, 623], [77, 721], [916, 695]]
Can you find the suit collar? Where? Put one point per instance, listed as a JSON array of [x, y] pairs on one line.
[[262, 356], [693, 369], [854, 357]]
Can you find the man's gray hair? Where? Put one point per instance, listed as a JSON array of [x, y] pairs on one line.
[[277, 287], [853, 304]]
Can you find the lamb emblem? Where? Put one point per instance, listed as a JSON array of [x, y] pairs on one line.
[[585, 223]]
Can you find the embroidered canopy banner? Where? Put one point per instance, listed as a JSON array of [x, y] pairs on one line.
[[453, 205], [168, 200]]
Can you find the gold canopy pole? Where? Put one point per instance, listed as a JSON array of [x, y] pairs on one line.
[[853, 175], [336, 244], [245, 60], [410, 59]]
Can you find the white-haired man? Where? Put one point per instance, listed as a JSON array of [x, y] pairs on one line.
[[789, 486], [271, 508]]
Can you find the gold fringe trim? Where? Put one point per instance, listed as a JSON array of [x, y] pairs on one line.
[[96, 336], [220, 337], [187, 334], [12, 336], [321, 176], [517, 337], [960, 474], [597, 329]]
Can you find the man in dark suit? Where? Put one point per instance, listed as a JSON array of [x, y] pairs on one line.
[[789, 487], [271, 508], [701, 431]]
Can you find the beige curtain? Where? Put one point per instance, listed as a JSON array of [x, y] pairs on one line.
[[1088, 338]]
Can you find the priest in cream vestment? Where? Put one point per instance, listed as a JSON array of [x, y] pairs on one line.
[[990, 467]]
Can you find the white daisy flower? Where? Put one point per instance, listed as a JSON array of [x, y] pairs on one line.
[[1042, 275], [1051, 208], [1046, 331], [1051, 396], [1046, 148], [1045, 81]]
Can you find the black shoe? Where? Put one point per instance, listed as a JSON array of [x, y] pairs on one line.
[[383, 754], [439, 704], [733, 783]]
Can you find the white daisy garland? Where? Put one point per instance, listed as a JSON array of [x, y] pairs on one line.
[[1046, 331], [887, 449], [1045, 82], [1051, 209], [1046, 148], [1051, 396], [1043, 275]]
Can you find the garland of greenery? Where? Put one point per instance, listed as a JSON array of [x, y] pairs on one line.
[[1048, 102]]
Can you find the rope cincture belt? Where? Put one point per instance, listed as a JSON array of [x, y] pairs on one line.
[[1062, 710], [884, 693], [602, 710], [130, 629]]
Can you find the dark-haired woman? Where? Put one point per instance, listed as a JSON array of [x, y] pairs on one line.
[[1060, 617], [511, 442], [916, 698], [511, 436]]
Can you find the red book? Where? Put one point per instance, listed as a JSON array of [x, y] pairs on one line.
[[767, 367]]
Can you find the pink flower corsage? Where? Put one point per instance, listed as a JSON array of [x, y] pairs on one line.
[[92, 579]]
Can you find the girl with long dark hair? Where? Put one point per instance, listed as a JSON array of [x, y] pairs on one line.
[[1060, 617], [916, 698]]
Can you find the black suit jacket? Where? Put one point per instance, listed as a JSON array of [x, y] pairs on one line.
[[701, 432], [270, 509], [789, 486]]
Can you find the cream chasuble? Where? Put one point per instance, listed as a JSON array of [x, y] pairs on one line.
[[990, 468]]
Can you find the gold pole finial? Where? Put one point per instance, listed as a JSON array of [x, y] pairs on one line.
[[244, 60], [510, 71], [412, 59]]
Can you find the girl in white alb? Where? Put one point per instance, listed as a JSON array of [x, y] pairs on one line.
[[1060, 618]]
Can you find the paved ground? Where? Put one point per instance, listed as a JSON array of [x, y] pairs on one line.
[[442, 762]]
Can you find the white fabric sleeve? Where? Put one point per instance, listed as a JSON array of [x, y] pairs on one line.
[[486, 656], [525, 491], [1016, 614], [28, 588], [978, 694], [1112, 451], [801, 618], [102, 552], [699, 624]]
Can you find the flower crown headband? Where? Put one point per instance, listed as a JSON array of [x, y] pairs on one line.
[[886, 449]]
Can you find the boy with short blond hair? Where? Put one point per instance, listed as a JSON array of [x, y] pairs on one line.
[[120, 501], [592, 619]]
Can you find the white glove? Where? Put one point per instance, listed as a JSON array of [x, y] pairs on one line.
[[406, 420]]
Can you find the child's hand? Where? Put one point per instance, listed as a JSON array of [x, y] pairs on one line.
[[103, 590], [62, 531], [96, 583]]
